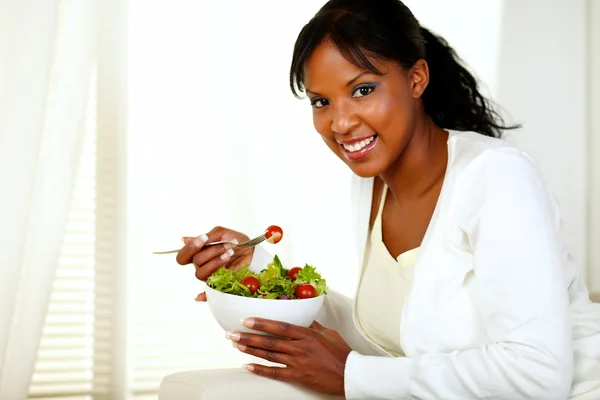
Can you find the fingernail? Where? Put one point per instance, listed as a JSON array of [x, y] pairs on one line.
[[235, 336], [249, 367], [248, 322], [239, 346], [227, 255], [230, 246], [200, 240]]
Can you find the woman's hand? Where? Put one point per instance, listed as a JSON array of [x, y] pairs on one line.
[[315, 357], [209, 259]]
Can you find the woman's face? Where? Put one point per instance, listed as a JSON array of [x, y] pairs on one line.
[[367, 120]]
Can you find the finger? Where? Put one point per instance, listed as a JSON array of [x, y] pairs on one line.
[[318, 327], [278, 328], [218, 258], [201, 297], [277, 373], [217, 234], [193, 246], [267, 343], [273, 356], [209, 253]]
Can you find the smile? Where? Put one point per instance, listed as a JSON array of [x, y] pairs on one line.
[[359, 145], [358, 149]]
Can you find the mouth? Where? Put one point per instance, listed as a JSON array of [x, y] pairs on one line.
[[358, 149]]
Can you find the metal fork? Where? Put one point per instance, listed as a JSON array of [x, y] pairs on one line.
[[250, 243]]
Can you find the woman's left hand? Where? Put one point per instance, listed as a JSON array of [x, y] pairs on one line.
[[314, 357]]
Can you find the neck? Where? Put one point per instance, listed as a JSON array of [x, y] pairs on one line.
[[421, 165]]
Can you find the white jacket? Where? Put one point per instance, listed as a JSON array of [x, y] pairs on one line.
[[497, 309]]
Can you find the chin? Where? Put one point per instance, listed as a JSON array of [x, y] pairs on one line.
[[371, 166], [366, 169]]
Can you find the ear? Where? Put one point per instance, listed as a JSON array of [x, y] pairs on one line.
[[418, 76]]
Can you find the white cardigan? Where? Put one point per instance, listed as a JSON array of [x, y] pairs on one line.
[[497, 309]]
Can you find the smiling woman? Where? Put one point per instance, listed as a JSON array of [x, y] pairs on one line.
[[466, 287]]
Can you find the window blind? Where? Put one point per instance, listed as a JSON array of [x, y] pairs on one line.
[[170, 332]]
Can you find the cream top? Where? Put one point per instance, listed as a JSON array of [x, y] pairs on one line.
[[383, 288]]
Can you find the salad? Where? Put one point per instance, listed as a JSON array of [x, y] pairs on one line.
[[274, 282]]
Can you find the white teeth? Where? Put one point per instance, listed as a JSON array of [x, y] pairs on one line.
[[358, 146]]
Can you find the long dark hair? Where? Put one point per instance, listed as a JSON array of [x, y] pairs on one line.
[[387, 29]]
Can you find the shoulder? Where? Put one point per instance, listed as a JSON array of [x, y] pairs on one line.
[[477, 157], [489, 172], [466, 149]]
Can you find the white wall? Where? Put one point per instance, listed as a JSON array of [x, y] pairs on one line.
[[542, 84], [473, 29], [594, 141]]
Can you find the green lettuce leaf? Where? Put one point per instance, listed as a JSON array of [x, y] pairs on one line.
[[274, 282], [229, 281], [309, 275]]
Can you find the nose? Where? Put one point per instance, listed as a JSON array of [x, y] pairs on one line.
[[344, 119]]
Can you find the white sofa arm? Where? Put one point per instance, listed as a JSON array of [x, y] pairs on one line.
[[226, 384]]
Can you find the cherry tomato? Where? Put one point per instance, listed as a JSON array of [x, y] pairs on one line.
[[305, 291], [293, 273], [251, 283], [274, 234]]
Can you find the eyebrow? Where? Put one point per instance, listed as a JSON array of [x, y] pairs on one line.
[[350, 82]]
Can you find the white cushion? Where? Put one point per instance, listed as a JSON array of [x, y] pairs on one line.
[[225, 384]]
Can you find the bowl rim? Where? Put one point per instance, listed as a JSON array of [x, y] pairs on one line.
[[208, 288]]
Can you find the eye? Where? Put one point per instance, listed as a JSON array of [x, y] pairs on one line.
[[319, 103], [363, 90]]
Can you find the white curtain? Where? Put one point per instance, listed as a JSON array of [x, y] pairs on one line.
[[46, 58]]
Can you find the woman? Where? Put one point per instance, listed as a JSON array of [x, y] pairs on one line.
[[466, 290]]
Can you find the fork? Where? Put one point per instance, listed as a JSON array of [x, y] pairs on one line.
[[250, 243]]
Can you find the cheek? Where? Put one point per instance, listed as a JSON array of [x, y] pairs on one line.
[[322, 124], [392, 114]]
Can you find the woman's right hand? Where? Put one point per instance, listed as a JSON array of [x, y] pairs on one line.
[[208, 259]]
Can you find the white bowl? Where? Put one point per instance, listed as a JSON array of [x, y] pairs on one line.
[[229, 310]]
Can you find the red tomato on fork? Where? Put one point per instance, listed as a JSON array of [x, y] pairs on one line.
[[251, 283], [274, 234]]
